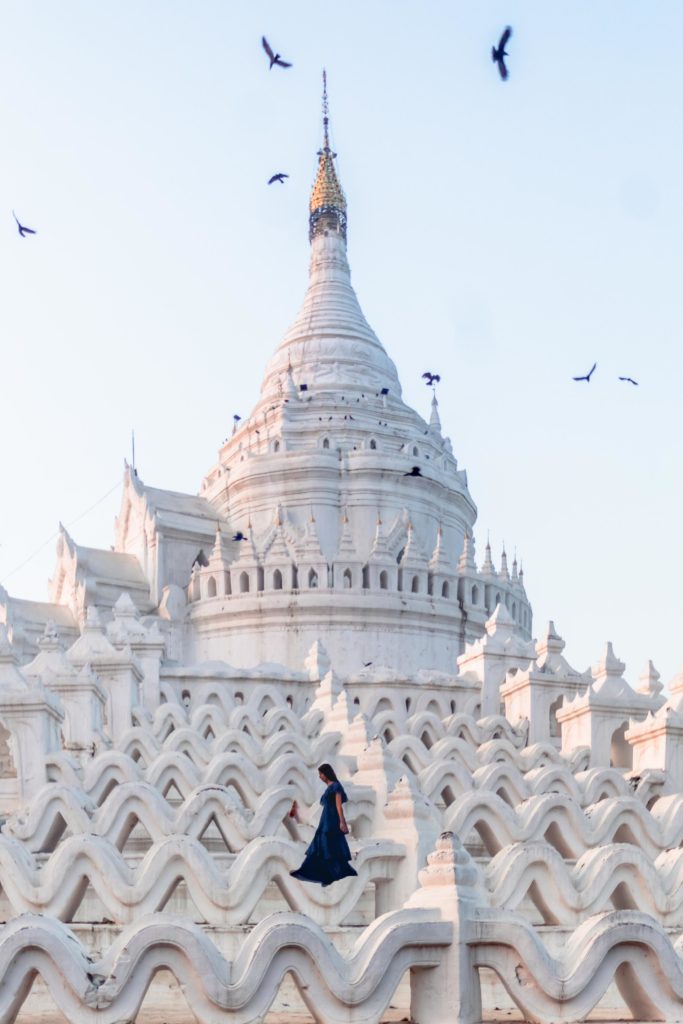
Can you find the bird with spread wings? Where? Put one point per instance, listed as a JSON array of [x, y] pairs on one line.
[[23, 230], [499, 53], [587, 376], [273, 57]]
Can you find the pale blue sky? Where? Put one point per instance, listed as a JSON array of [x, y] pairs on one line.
[[505, 235]]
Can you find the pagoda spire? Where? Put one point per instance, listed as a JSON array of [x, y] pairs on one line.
[[488, 568], [467, 562], [434, 419], [327, 206], [330, 344], [347, 547]]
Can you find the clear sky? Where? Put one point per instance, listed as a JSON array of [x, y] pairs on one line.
[[504, 235]]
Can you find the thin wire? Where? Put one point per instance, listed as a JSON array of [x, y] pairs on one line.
[[56, 533]]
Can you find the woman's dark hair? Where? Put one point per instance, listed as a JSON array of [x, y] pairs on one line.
[[329, 772]]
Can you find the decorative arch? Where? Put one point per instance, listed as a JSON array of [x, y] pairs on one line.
[[244, 583], [553, 724], [7, 766], [211, 587], [621, 752]]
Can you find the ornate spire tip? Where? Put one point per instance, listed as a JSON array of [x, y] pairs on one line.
[[327, 205]]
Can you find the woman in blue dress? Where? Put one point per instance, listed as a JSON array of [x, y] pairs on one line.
[[327, 858]]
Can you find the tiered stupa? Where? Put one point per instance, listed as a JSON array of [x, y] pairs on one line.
[[163, 714], [326, 453]]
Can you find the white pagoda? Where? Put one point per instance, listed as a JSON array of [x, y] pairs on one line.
[[317, 601]]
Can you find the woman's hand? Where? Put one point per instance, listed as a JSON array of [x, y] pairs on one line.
[[344, 827]]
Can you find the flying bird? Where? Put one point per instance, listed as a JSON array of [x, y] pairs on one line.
[[415, 471], [431, 379], [630, 380], [236, 418], [23, 231], [274, 58], [239, 536], [280, 176], [499, 53], [588, 375]]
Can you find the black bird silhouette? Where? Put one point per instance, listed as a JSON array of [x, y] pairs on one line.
[[415, 471], [367, 664], [239, 536], [630, 380], [274, 58], [280, 176], [431, 378], [499, 53], [236, 418], [588, 375], [22, 230]]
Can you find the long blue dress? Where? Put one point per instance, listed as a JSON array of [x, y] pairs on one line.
[[327, 858]]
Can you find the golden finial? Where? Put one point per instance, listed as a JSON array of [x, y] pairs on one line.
[[327, 198]]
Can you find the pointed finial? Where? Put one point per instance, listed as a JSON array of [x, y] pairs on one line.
[[289, 387], [326, 114], [327, 205], [650, 681], [435, 419], [466, 562], [488, 568]]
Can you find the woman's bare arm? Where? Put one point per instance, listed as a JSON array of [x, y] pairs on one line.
[[340, 811]]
